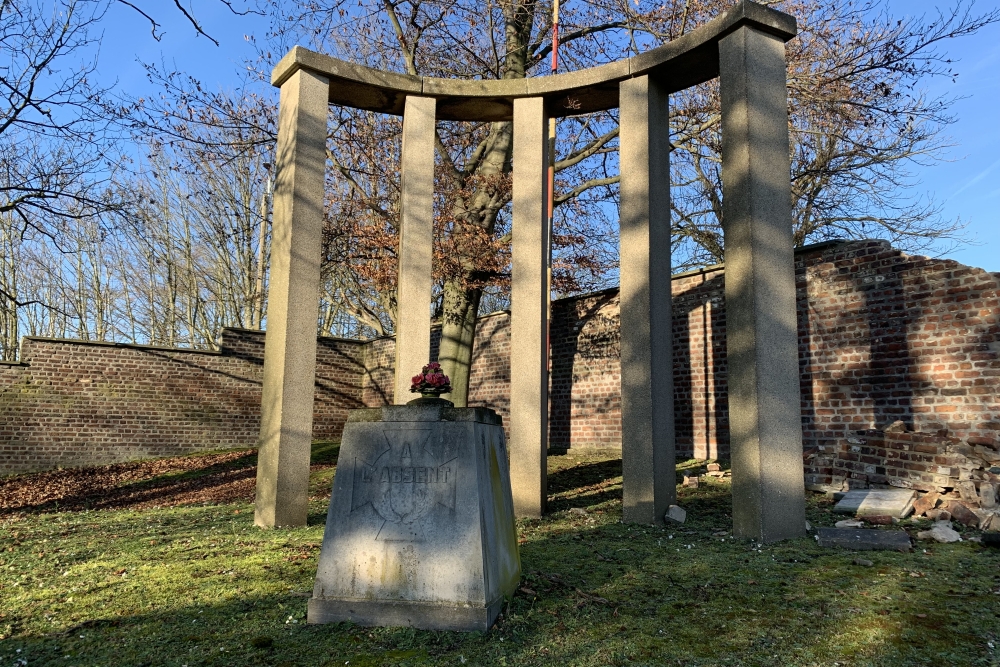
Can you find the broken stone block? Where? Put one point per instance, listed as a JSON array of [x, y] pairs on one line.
[[827, 489], [928, 501], [896, 427], [864, 539], [876, 502], [988, 455], [849, 523], [984, 442], [941, 532], [880, 520], [691, 481], [963, 514], [676, 513], [939, 515], [967, 490], [987, 495], [714, 467]]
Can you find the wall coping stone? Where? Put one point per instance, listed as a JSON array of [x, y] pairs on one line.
[[262, 332], [105, 343]]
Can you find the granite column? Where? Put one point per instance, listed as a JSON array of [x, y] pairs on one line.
[[529, 381], [649, 485], [761, 333], [293, 303], [416, 244]]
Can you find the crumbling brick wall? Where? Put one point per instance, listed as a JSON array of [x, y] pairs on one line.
[[957, 469], [886, 337]]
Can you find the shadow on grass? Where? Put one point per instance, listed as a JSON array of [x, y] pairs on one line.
[[594, 592], [222, 478], [584, 485], [324, 453]]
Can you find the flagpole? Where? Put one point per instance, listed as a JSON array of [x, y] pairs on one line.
[[551, 174]]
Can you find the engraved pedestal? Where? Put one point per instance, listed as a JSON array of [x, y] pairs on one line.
[[420, 530]]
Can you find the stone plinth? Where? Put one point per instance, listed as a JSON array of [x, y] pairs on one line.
[[420, 530]]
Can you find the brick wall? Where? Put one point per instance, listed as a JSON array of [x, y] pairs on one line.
[[907, 342], [489, 381], [884, 337], [72, 403]]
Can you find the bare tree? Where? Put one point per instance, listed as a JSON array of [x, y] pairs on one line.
[[197, 253], [60, 171], [10, 279], [490, 40], [209, 185], [856, 124], [57, 150], [237, 8]]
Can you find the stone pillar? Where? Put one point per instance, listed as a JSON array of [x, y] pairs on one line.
[[529, 381], [293, 303], [761, 334], [416, 240], [649, 485]]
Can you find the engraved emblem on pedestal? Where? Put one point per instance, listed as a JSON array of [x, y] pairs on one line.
[[404, 483]]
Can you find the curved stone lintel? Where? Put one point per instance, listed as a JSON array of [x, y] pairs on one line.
[[678, 64]]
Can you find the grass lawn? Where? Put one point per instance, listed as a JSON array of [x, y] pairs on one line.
[[200, 585]]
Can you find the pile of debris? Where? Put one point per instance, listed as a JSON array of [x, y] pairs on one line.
[[959, 479], [969, 492], [972, 500], [973, 503], [691, 477]]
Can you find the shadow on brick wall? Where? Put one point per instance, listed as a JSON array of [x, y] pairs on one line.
[[570, 345], [701, 409]]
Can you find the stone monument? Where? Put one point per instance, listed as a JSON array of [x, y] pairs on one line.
[[420, 530], [744, 48]]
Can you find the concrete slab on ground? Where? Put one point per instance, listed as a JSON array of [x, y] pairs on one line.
[[877, 502], [864, 539]]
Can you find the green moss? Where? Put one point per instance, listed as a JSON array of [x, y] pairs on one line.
[[203, 586]]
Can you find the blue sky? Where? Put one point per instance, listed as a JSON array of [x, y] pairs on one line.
[[967, 184], [128, 41]]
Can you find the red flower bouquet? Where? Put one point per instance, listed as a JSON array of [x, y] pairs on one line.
[[431, 381]]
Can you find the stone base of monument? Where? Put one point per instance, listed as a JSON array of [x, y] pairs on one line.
[[420, 530]]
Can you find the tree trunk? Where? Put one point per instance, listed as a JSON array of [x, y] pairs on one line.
[[461, 302], [458, 333]]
